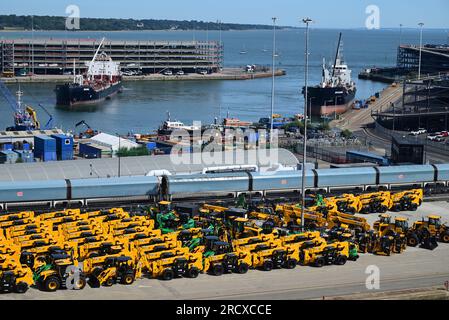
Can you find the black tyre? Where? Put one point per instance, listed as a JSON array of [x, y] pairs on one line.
[[80, 283], [341, 260], [109, 282], [268, 265], [445, 237], [52, 283], [128, 279], [167, 275], [320, 262], [93, 255], [217, 270], [291, 264], [193, 273], [414, 207], [412, 240], [21, 287], [242, 268]]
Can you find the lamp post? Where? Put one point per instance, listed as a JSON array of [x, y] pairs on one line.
[[32, 45], [306, 97], [273, 76], [118, 154], [420, 50]]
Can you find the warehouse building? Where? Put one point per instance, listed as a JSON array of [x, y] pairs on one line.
[[58, 56], [129, 166]]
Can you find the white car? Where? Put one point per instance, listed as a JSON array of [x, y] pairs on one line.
[[418, 132], [168, 73], [180, 73]]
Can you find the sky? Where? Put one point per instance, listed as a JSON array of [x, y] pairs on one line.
[[325, 13]]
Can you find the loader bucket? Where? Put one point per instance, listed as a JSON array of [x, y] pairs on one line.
[[429, 243]]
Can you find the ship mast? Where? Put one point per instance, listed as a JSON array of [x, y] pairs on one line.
[[337, 55]]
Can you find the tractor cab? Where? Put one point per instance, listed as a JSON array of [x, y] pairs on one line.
[[385, 219], [164, 206], [119, 262], [401, 224], [435, 221]]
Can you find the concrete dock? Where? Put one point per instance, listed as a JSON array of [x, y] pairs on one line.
[[413, 270], [225, 74]]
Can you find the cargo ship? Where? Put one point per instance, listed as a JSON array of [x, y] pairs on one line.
[[102, 80], [336, 92]]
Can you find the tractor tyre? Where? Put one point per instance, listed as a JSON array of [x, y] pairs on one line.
[[217, 270], [109, 282], [80, 283], [93, 255], [21, 287], [341, 260], [168, 275], [51, 284], [268, 265], [445, 237], [242, 268], [128, 279], [414, 207], [319, 262], [412, 240], [291, 264], [193, 273]]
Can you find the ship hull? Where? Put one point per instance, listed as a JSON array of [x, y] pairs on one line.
[[78, 95], [330, 101]]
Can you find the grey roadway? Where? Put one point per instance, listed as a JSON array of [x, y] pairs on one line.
[[416, 268]]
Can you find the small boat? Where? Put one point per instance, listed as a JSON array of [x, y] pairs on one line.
[[243, 51]]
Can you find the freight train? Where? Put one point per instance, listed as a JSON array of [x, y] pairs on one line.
[[230, 183]]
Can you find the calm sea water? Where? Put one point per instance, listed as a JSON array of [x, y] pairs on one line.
[[143, 105]]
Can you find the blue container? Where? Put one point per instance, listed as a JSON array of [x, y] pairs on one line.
[[45, 148], [88, 151], [7, 147], [64, 146], [25, 155], [151, 146]]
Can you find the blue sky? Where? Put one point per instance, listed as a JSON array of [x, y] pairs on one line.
[[326, 13]]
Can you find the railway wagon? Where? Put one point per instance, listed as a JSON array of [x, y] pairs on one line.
[[113, 187], [28, 191], [280, 181], [346, 177], [191, 185], [405, 175]]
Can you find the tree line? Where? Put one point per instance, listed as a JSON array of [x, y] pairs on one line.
[[94, 24]]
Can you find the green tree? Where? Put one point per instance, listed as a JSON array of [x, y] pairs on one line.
[[346, 134]]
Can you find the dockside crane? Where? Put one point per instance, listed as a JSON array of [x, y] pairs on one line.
[[25, 119]]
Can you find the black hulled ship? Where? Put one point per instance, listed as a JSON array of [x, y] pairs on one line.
[[102, 80], [336, 92]]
